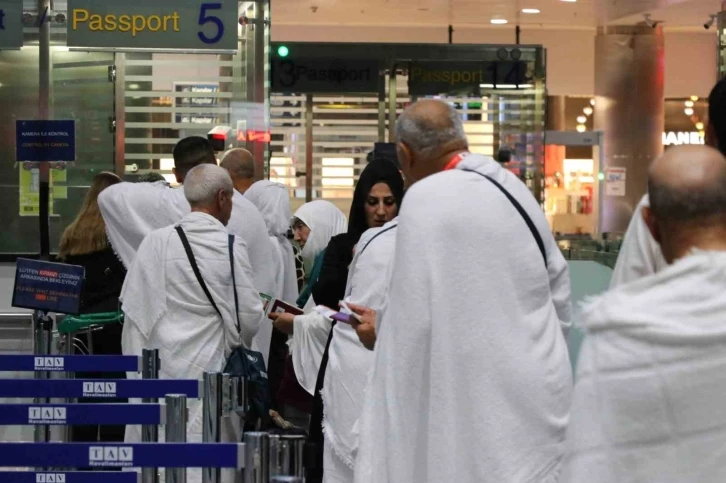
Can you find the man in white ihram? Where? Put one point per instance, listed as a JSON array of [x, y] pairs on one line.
[[133, 210], [650, 399], [472, 380], [165, 305]]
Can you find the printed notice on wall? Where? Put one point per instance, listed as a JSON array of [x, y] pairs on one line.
[[51, 287], [42, 141], [615, 181]]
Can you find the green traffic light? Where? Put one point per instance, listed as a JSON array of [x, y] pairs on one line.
[[283, 51]]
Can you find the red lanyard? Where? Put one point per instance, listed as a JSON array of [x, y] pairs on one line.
[[455, 161]]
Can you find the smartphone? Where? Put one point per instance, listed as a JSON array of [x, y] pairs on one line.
[[337, 316], [349, 311]]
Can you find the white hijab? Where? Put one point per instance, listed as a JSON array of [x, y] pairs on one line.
[[325, 221], [273, 202], [310, 335]]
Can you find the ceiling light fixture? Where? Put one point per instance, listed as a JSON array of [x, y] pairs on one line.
[[699, 126], [688, 111], [689, 103], [499, 21], [581, 119], [581, 127], [592, 102], [569, 1], [588, 111], [531, 10], [694, 98]]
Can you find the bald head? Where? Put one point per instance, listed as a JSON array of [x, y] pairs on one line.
[[687, 190], [241, 167], [428, 133]]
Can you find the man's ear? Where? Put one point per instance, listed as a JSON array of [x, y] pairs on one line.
[[652, 223]]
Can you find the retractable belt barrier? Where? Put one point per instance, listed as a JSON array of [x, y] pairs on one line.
[[69, 363], [68, 477], [120, 455], [77, 388], [69, 414]]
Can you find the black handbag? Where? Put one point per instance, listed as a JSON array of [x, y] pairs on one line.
[[242, 362]]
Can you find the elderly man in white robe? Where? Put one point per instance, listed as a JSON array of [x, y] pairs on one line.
[[472, 380], [650, 397], [640, 255], [133, 210], [165, 305], [350, 363]]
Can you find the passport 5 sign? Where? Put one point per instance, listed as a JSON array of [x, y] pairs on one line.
[[161, 24]]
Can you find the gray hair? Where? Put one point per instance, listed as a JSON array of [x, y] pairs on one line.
[[425, 134], [204, 182], [239, 162]]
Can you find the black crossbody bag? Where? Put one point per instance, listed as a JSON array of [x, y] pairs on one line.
[[242, 362]]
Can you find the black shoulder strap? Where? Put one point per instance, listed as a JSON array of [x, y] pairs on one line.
[[195, 268], [522, 212], [234, 281]]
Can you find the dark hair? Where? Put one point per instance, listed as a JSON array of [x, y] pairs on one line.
[[191, 152], [691, 205], [377, 171], [151, 177], [717, 114]]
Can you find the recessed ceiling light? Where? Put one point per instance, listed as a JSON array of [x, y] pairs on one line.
[[530, 10], [569, 1], [498, 21]]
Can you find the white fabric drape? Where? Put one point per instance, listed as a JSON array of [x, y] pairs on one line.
[[472, 381], [166, 308], [133, 210], [639, 255], [650, 397], [350, 363], [273, 202]]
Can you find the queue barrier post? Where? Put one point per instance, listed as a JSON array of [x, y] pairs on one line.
[[176, 432], [211, 419], [42, 336], [150, 433], [257, 451], [286, 455]]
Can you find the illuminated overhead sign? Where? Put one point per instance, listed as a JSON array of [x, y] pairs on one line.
[[11, 24], [430, 78], [678, 138], [291, 75], [159, 24]]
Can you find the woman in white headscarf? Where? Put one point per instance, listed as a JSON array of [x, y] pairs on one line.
[[314, 224]]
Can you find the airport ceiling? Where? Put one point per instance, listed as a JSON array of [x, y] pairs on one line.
[[555, 14]]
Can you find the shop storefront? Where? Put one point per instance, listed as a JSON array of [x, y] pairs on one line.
[[573, 174]]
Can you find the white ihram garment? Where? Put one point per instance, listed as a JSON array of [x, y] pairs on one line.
[[133, 210], [166, 308], [350, 363], [472, 380], [650, 396], [311, 330], [639, 255], [273, 202]]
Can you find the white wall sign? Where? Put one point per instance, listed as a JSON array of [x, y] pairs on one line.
[[678, 138], [615, 181]]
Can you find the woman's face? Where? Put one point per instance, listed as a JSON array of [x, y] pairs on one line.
[[300, 231], [380, 206]]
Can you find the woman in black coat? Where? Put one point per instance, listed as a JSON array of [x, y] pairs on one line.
[[84, 243]]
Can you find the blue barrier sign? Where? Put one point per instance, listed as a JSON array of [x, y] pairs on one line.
[[68, 477], [69, 414], [88, 363], [51, 287], [142, 455], [121, 388], [45, 141]]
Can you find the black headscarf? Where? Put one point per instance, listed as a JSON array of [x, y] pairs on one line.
[[379, 170]]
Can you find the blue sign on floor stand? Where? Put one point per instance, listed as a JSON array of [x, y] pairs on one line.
[[64, 414], [75, 388], [119, 455], [68, 477], [83, 363]]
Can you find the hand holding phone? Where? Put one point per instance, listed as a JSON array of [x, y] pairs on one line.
[[337, 316]]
